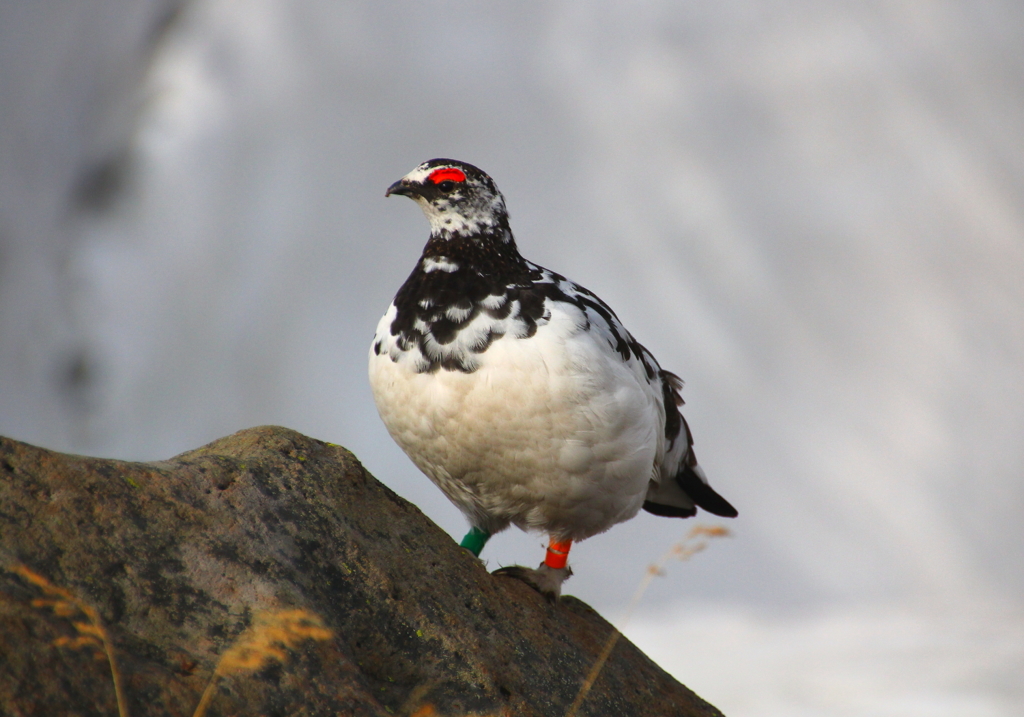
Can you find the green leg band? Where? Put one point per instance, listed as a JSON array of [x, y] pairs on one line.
[[475, 540]]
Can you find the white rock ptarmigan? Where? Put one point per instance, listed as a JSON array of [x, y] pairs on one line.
[[518, 392]]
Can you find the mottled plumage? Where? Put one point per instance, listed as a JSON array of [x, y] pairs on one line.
[[519, 392]]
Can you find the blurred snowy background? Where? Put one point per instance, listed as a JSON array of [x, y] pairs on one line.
[[813, 211]]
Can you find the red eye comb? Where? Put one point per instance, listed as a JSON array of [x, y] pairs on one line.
[[447, 174]]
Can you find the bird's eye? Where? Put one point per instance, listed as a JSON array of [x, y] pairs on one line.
[[446, 186]]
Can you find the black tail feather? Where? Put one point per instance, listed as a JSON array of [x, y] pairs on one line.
[[703, 494], [668, 511]]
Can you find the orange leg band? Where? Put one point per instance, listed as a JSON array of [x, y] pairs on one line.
[[558, 554]]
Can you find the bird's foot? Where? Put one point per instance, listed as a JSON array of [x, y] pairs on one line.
[[545, 579]]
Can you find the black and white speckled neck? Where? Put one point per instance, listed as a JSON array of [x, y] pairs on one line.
[[471, 269]]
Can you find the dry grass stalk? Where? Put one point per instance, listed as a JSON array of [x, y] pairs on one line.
[[269, 638], [694, 542], [91, 632]]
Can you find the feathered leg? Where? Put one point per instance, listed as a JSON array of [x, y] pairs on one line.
[[547, 579]]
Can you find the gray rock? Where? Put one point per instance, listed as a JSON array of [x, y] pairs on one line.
[[180, 557]]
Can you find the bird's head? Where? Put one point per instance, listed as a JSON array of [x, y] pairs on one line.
[[458, 199]]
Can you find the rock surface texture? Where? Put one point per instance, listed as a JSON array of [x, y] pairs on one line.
[[183, 559]]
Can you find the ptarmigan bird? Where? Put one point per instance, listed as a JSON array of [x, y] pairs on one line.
[[518, 392]]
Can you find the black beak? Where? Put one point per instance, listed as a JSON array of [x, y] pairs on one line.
[[400, 187]]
